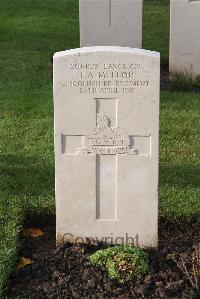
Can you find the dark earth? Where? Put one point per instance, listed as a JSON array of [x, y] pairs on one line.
[[66, 273]]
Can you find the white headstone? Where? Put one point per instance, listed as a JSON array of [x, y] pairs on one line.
[[106, 102], [185, 37], [111, 23]]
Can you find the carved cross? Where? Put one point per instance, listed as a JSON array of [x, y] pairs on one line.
[[107, 142]]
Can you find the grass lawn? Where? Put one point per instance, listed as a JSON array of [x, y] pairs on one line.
[[31, 31]]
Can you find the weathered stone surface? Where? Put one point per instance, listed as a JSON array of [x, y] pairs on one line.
[[185, 37], [111, 23], [106, 102]]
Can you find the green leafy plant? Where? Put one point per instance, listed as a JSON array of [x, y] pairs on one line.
[[122, 262]]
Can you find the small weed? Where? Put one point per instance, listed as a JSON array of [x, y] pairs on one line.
[[197, 80], [192, 270], [122, 262], [184, 81]]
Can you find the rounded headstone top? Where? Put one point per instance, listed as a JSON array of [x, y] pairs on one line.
[[107, 49]]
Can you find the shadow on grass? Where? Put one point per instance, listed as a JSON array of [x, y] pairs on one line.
[[179, 175], [30, 180], [26, 175]]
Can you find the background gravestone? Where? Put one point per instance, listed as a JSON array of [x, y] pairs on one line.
[[106, 102], [185, 36], [111, 23]]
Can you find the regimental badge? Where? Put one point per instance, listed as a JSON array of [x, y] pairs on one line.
[[107, 140]]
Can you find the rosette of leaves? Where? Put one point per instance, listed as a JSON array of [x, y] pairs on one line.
[[122, 262]]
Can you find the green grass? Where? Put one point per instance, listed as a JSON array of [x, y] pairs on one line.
[[179, 156], [10, 223], [156, 14], [31, 31]]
